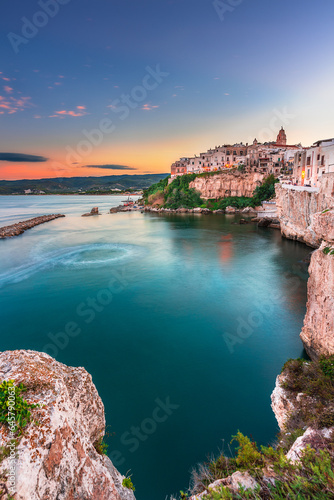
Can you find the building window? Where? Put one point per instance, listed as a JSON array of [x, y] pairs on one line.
[[322, 160], [308, 173], [234, 152], [228, 152], [318, 158], [200, 163], [308, 160]]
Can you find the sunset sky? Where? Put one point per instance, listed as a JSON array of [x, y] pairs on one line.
[[199, 73]]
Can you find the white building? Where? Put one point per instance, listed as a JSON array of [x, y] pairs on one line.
[[312, 163]]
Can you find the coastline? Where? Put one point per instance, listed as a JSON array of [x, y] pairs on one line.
[[237, 212]]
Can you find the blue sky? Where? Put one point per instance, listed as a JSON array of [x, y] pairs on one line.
[[231, 77]]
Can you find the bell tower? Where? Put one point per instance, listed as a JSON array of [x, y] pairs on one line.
[[281, 138]]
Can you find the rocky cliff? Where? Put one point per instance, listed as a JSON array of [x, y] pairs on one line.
[[309, 217], [318, 330], [56, 456], [296, 209], [226, 184], [293, 407]]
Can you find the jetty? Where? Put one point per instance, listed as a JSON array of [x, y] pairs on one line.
[[20, 227]]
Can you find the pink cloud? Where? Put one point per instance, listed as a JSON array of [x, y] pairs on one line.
[[6, 79], [148, 107], [13, 104], [64, 112]]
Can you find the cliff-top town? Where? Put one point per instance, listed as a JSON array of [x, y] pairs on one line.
[[303, 166]]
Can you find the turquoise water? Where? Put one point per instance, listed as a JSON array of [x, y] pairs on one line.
[[184, 321]]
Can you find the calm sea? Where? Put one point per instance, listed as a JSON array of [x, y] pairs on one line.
[[184, 321]]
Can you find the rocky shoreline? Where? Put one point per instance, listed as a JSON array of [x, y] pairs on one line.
[[20, 227], [199, 210]]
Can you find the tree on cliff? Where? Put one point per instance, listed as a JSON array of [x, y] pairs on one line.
[[266, 191]]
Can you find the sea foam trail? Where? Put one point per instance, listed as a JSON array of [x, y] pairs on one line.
[[81, 256]]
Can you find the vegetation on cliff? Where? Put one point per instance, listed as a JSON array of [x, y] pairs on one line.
[[14, 410], [174, 195], [310, 385], [178, 194]]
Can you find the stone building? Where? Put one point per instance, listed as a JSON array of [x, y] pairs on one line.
[[269, 158], [312, 163]]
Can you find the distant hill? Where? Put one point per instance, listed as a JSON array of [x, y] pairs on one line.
[[84, 185]]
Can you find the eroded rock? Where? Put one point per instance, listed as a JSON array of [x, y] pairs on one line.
[[281, 402], [57, 457], [94, 211]]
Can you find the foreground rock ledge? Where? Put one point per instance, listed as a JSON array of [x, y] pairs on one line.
[[56, 457], [20, 227]]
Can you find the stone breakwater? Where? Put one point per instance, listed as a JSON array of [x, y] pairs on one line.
[[57, 454], [20, 227]]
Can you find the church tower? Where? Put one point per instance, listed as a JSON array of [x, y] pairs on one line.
[[281, 138]]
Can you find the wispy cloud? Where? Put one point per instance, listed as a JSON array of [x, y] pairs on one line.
[[12, 104], [111, 167], [148, 107], [79, 111], [13, 101], [19, 157]]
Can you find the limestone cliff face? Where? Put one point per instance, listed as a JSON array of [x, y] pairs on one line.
[[296, 210], [56, 457], [281, 403], [232, 183], [318, 330], [309, 217]]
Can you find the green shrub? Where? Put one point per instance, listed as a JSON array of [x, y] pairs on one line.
[[127, 483], [152, 190], [248, 455], [178, 194], [310, 478], [230, 201], [327, 365], [266, 191], [328, 250], [14, 410], [101, 446]]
